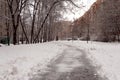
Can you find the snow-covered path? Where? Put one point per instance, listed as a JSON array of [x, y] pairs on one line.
[[72, 64], [61, 60]]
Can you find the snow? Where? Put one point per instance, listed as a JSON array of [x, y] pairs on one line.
[[70, 60], [20, 62], [1, 45], [105, 56]]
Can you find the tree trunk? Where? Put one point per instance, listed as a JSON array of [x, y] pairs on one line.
[[8, 35], [15, 36]]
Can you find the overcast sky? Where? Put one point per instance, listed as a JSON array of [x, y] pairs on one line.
[[79, 12]]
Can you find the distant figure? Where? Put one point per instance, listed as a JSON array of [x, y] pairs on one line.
[[56, 38]]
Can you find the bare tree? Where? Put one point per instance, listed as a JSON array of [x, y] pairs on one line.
[[15, 8], [54, 4], [35, 19]]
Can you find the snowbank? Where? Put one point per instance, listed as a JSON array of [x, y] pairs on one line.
[[21, 62], [1, 45]]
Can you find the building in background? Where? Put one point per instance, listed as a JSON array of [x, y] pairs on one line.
[[101, 22]]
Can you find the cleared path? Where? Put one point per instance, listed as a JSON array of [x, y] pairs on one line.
[[72, 64]]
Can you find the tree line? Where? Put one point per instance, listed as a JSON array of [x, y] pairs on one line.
[[33, 21]]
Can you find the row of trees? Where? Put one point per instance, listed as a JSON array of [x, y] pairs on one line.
[[33, 21]]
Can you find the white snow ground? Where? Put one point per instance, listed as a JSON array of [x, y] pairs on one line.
[[106, 56], [20, 62]]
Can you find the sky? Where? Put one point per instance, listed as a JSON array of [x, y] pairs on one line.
[[78, 12]]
